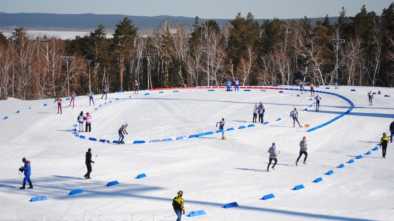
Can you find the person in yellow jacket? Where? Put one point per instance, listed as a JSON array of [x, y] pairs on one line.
[[178, 205], [383, 142]]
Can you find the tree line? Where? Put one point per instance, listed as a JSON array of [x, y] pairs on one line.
[[356, 50]]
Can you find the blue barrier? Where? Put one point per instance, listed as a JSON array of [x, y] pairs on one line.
[[278, 119], [241, 127], [327, 88], [82, 136], [146, 94], [317, 180], [193, 136], [18, 111], [140, 176], [341, 165], [350, 161], [251, 125], [5, 118], [230, 205], [210, 90], [268, 196], [112, 183], [229, 129], [138, 141], [116, 142], [329, 173], [247, 90], [180, 138], [298, 187], [38, 198], [102, 140], [266, 122], [92, 139], [75, 192], [305, 109], [367, 153], [375, 148], [166, 139], [359, 157], [353, 90], [161, 92], [196, 213]]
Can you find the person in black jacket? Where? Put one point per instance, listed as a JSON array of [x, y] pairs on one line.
[[88, 162], [391, 131]]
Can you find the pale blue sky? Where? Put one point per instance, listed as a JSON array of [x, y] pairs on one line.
[[202, 8]]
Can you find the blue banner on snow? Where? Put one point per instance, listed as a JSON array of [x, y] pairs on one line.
[[268, 196], [358, 157], [75, 192], [318, 180], [350, 161], [92, 139], [196, 213], [230, 205], [229, 129], [329, 173], [140, 176], [341, 165], [298, 187], [138, 141], [112, 183], [38, 198]]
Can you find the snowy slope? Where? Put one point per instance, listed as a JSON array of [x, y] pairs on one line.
[[210, 171]]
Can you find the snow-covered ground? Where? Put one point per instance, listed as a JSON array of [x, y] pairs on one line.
[[210, 171]]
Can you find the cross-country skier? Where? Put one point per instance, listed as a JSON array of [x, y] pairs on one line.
[[294, 117], [273, 157], [80, 120], [91, 98], [391, 131], [383, 142], [303, 150], [236, 85], [59, 105], [72, 99], [312, 87], [221, 127], [122, 132], [178, 205], [88, 163], [105, 92], [136, 86], [261, 111], [370, 98], [317, 102], [255, 112], [26, 170], [88, 122], [228, 85]]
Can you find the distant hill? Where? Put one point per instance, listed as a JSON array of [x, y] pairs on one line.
[[88, 21]]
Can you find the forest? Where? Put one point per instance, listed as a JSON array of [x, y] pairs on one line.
[[353, 50]]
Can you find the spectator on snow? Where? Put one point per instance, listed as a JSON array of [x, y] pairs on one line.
[[26, 170], [88, 122]]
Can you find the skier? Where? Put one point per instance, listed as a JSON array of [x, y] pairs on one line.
[[178, 205], [136, 86], [59, 105], [105, 92], [26, 170], [272, 157], [383, 142], [255, 112], [72, 99], [88, 163], [88, 122], [122, 132], [221, 127], [317, 102], [303, 150], [312, 89], [391, 131], [370, 98], [261, 111], [236, 85], [294, 116], [80, 120], [228, 85], [91, 98], [302, 87]]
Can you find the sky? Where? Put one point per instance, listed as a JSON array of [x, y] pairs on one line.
[[201, 8]]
